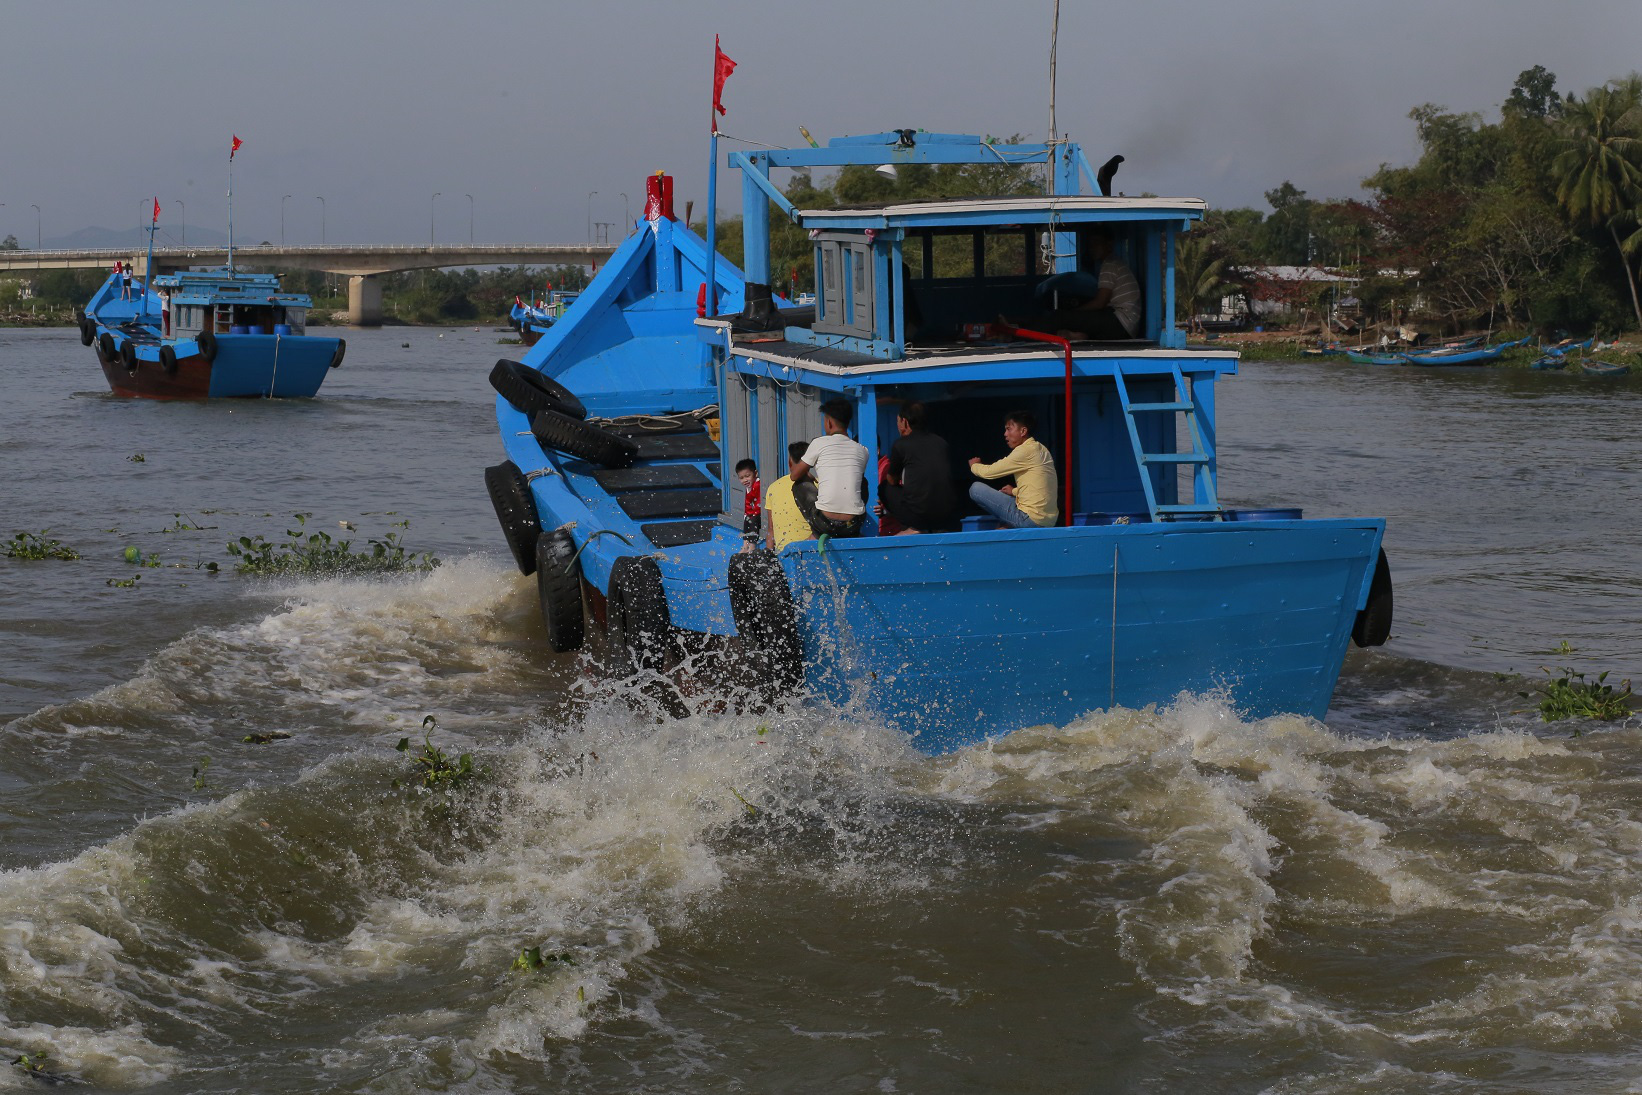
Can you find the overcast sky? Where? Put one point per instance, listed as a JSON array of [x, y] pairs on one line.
[[528, 105]]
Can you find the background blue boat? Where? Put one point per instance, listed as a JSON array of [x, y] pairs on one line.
[[194, 334], [616, 493]]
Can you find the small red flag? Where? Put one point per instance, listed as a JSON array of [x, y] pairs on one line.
[[156, 211], [234, 147], [722, 67]]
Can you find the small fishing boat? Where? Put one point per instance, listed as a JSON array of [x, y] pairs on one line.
[[623, 424], [1603, 368], [1363, 358], [1546, 362], [533, 320]]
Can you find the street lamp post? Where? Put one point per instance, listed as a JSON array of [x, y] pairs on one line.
[[37, 234], [436, 194], [183, 219], [470, 219], [590, 194], [282, 219], [321, 220], [626, 214]]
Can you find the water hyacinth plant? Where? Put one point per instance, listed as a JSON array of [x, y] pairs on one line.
[[316, 553], [36, 545], [1571, 696]]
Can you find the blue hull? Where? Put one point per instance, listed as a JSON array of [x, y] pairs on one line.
[[284, 367], [957, 641]]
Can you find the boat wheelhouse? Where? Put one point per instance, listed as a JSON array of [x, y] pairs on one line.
[[1147, 587]]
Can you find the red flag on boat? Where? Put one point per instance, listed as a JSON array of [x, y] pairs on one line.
[[233, 148], [722, 67], [156, 211]]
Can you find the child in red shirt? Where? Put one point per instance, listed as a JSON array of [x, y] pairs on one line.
[[753, 508]]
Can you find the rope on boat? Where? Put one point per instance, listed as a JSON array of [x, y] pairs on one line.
[[659, 423]]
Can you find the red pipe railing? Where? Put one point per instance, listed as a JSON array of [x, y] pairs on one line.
[[1066, 470]]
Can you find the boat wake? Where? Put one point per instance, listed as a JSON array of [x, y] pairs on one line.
[[614, 890]]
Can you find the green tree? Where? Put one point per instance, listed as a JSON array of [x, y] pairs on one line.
[[1200, 276], [1599, 166], [10, 244], [1286, 234]]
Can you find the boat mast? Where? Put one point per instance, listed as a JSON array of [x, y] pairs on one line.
[[148, 266]]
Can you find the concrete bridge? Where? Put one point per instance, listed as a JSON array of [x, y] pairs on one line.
[[361, 265]]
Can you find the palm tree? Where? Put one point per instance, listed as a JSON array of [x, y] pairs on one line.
[[1599, 165], [1200, 277]]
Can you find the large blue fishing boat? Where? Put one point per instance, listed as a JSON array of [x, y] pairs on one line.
[[622, 426]]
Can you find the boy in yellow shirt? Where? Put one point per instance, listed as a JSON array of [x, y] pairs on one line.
[[783, 520]]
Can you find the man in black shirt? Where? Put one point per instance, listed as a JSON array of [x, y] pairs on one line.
[[918, 489]]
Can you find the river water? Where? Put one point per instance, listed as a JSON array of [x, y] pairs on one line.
[[1433, 892]]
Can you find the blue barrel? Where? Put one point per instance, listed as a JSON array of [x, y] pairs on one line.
[[282, 328], [254, 329], [981, 522], [238, 329], [1271, 513]]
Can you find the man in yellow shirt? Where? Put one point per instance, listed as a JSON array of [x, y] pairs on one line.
[[1030, 501], [783, 520]]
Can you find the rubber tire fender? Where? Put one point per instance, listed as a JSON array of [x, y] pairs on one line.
[[88, 330], [639, 626], [529, 391], [128, 354], [208, 345], [571, 435], [1373, 624], [105, 343], [559, 590], [762, 606], [516, 510], [336, 359], [168, 360]]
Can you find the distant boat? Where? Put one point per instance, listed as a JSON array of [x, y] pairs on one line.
[[1460, 357], [1549, 361], [199, 334], [1603, 368], [1376, 359], [533, 321]]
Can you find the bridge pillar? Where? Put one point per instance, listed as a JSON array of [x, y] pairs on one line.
[[364, 301]]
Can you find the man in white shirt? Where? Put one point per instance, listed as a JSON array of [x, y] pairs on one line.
[[1102, 304], [839, 463]]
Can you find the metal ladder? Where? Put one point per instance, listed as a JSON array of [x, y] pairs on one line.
[[1206, 502]]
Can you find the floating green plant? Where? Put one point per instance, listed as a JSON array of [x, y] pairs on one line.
[[1572, 696], [317, 553], [433, 769], [125, 583], [137, 458], [199, 773], [752, 811], [534, 959], [36, 545], [185, 523]]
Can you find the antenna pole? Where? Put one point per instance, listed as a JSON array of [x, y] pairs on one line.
[[1054, 37]]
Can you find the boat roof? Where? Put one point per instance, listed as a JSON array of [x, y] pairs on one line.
[[1062, 208], [228, 287]]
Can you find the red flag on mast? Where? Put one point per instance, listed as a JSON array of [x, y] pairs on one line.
[[722, 67], [234, 147], [156, 211]]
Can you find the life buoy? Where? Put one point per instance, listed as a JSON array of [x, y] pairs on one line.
[[529, 391], [128, 354], [88, 330], [105, 343], [762, 607], [559, 589], [565, 434], [168, 360], [1373, 624], [208, 345], [341, 349], [636, 616], [516, 510]]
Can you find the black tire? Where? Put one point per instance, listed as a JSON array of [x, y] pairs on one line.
[[336, 358], [529, 391], [1373, 626], [128, 354], [636, 616], [559, 589], [88, 330], [168, 360], [565, 434], [516, 510], [762, 606], [208, 346], [105, 343]]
